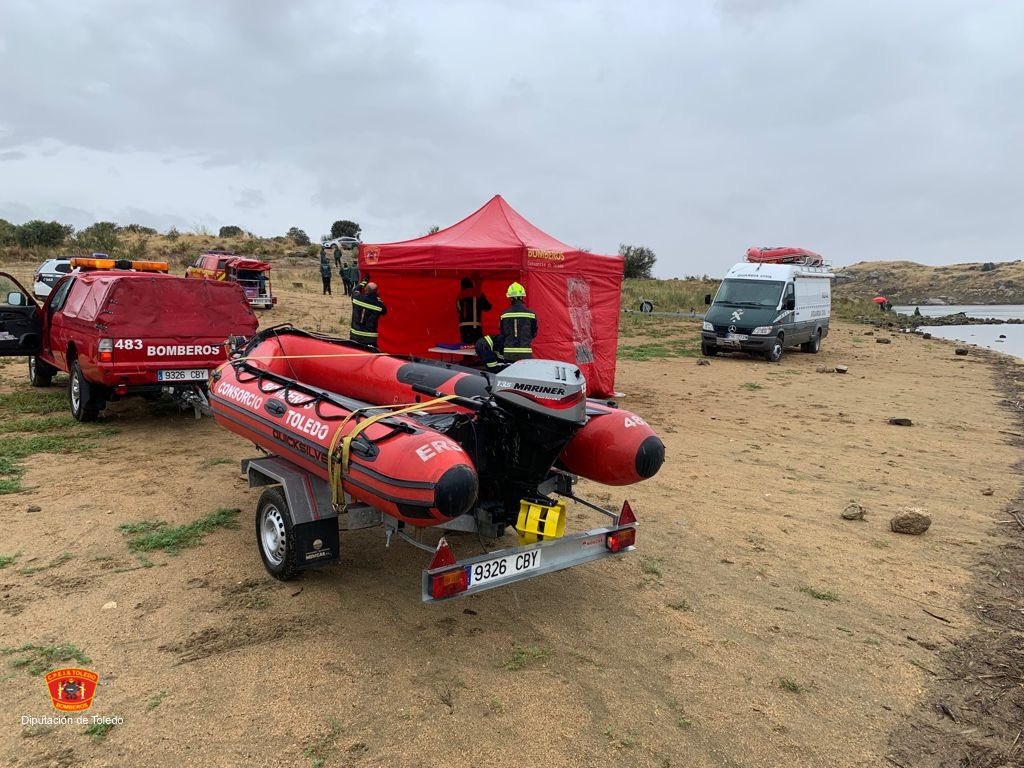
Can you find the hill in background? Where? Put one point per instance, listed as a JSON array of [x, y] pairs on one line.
[[904, 282]]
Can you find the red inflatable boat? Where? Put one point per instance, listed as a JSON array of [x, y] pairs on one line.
[[783, 256], [464, 436]]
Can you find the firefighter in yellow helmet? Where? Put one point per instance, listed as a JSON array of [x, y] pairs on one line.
[[518, 330]]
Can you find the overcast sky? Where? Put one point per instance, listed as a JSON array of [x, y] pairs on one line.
[[863, 130]]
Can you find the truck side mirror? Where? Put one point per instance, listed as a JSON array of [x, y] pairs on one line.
[[707, 298], [16, 299]]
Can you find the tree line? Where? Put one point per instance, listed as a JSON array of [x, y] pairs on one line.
[[104, 236]]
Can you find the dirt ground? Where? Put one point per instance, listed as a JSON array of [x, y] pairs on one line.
[[752, 627]]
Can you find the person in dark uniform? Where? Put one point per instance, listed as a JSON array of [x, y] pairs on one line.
[[470, 305], [349, 273], [337, 256], [518, 330], [367, 310], [325, 274]]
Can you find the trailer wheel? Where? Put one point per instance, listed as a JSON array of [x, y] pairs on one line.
[[814, 345], [774, 353], [39, 373], [275, 534], [83, 396]]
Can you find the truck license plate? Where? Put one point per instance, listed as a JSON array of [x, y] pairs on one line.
[[503, 567], [186, 374]]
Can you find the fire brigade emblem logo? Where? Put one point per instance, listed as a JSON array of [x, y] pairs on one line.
[[371, 253], [736, 315], [72, 689]]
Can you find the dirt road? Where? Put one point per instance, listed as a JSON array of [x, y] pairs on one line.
[[752, 627]]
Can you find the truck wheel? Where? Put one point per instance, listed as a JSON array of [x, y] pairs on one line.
[[39, 373], [707, 350], [275, 535], [814, 345], [774, 353], [82, 395]]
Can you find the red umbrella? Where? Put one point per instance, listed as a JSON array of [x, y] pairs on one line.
[[879, 299]]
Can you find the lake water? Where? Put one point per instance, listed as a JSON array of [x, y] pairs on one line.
[[983, 311], [983, 335]]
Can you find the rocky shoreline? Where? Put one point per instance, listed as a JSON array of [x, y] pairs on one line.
[[894, 320]]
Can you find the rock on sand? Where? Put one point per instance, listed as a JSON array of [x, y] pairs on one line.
[[912, 521]]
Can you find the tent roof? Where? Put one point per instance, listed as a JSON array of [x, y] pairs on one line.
[[496, 223]]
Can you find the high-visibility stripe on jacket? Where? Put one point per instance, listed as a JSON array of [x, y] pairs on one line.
[[519, 329], [366, 313], [470, 305]]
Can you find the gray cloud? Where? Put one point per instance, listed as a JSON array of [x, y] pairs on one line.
[[865, 131]]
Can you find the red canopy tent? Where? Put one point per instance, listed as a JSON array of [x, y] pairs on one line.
[[575, 294]]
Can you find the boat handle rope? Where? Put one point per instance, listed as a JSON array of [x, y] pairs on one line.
[[257, 374], [336, 470]]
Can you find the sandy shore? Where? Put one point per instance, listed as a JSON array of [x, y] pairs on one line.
[[753, 626]]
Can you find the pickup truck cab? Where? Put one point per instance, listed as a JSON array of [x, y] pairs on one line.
[[119, 333], [252, 274]]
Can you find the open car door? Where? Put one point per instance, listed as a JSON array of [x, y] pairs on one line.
[[20, 319]]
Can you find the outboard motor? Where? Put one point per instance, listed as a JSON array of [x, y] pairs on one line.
[[538, 406]]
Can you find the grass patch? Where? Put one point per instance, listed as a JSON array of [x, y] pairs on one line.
[[155, 700], [752, 386], [13, 449], [148, 535], [879, 543], [6, 560], [522, 657], [319, 749], [661, 349], [33, 400], [790, 685], [628, 741], [98, 731], [682, 721], [669, 295], [827, 595], [38, 423], [215, 463], [37, 659], [59, 560], [652, 566], [681, 605], [256, 602]]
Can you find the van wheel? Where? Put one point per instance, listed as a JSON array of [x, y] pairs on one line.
[[774, 353], [39, 373], [707, 350], [275, 535], [85, 399], [814, 345]]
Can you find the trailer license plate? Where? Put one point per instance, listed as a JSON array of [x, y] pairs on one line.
[[503, 567], [188, 374]]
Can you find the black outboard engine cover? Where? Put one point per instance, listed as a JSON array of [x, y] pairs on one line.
[[538, 406]]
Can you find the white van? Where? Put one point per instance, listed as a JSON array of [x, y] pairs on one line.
[[762, 307]]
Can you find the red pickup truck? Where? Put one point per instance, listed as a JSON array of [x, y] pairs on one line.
[[118, 332], [252, 274]]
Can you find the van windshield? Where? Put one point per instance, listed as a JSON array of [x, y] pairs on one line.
[[750, 293]]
